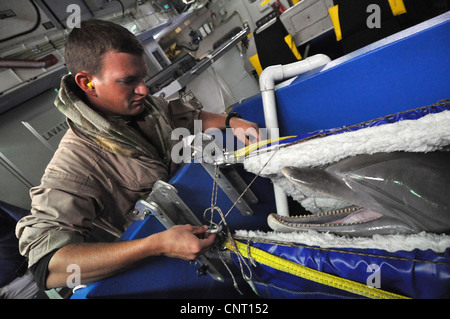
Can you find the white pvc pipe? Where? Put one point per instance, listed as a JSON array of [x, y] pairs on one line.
[[267, 80]]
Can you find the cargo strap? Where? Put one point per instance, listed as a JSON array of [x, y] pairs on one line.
[[301, 271]]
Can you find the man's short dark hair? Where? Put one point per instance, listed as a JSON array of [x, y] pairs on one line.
[[86, 45]]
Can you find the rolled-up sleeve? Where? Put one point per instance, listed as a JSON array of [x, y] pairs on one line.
[[57, 219]]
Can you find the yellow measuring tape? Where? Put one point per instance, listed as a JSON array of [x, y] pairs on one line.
[[295, 269]]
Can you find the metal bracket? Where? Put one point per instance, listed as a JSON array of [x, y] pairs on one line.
[[170, 210], [205, 150], [233, 186]]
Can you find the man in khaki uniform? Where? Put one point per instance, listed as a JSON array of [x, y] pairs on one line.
[[118, 145]]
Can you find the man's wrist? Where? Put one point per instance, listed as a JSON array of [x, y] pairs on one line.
[[229, 117]]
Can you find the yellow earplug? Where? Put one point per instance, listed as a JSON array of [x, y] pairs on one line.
[[90, 85]]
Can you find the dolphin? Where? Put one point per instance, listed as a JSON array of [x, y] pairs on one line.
[[390, 193]]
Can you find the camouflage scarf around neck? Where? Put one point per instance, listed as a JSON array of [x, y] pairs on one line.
[[113, 135]]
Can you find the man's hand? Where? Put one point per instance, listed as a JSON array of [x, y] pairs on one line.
[[186, 241], [245, 131]]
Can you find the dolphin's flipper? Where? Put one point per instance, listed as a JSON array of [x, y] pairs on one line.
[[408, 191]]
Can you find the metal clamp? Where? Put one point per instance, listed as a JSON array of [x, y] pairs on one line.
[[170, 210], [205, 150]]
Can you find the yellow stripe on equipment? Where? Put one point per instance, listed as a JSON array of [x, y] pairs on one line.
[[250, 148], [291, 44], [334, 15], [397, 6]]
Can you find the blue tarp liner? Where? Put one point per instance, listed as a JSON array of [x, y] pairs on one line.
[[414, 274]]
